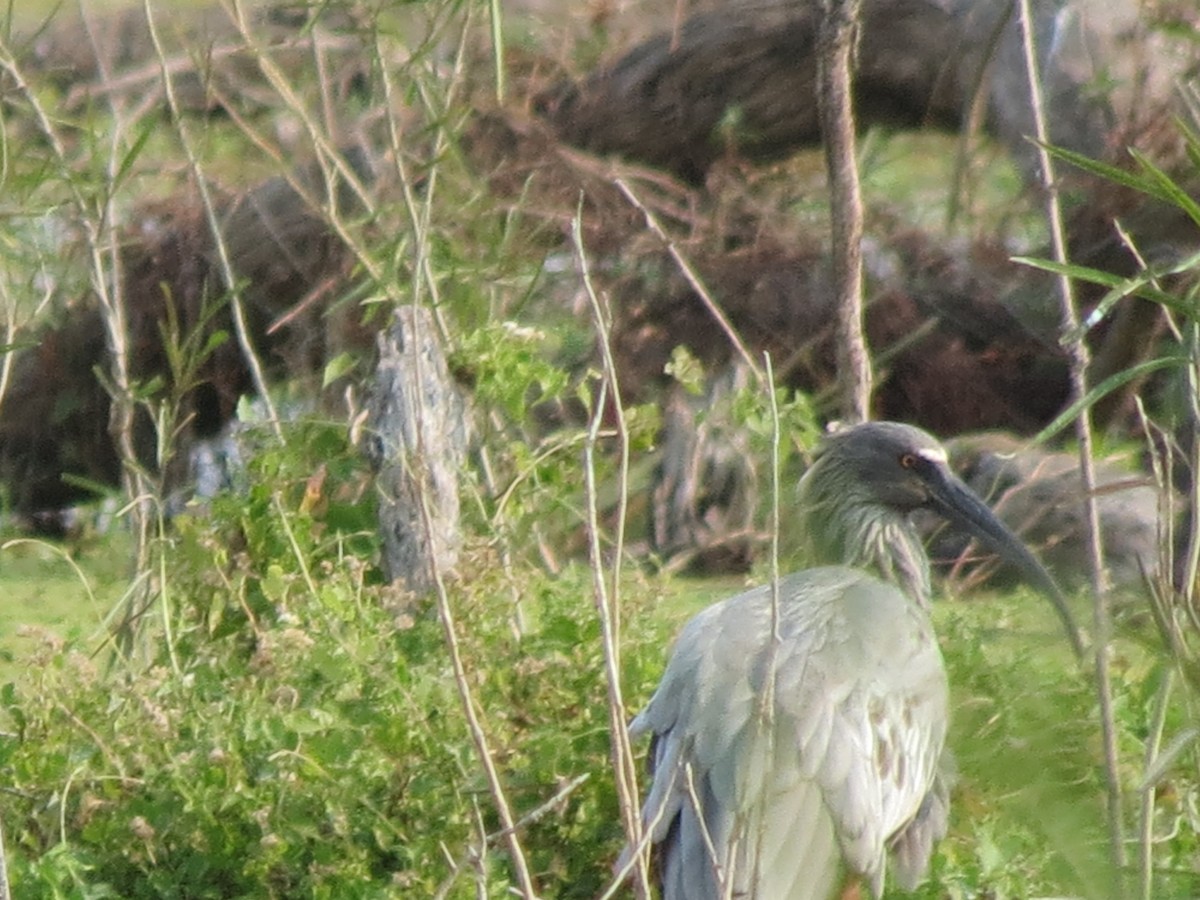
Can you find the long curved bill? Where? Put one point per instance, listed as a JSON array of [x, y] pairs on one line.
[[958, 503]]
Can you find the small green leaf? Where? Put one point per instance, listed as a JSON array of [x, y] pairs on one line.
[[1103, 389], [135, 151], [686, 369], [215, 340], [1168, 188], [340, 365]]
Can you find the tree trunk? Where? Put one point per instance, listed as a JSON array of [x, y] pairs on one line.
[[742, 80], [417, 444]]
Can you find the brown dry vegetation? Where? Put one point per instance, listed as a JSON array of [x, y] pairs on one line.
[[963, 337]]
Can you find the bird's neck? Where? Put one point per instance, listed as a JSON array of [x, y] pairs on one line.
[[843, 527]]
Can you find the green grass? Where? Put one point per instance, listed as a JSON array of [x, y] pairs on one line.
[[911, 174], [53, 593], [1027, 816]]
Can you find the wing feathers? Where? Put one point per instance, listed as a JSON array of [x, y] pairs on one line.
[[837, 773]]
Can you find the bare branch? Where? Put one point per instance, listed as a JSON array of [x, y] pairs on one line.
[[1079, 362], [835, 52]]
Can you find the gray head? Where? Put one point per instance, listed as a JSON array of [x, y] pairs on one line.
[[858, 496]]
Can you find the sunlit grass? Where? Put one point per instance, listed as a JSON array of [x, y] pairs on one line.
[[52, 593], [915, 173]]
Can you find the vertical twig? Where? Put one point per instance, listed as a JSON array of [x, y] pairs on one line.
[[99, 225], [766, 699], [462, 683], [606, 600], [1079, 359], [838, 36], [7, 358], [776, 440], [1191, 566], [765, 704], [423, 277], [419, 213]]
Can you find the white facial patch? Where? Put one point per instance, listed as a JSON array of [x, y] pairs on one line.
[[933, 454]]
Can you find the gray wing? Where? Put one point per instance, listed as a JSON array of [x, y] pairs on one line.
[[912, 846], [778, 805]]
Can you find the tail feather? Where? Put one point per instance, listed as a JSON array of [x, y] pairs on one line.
[[912, 846], [791, 852], [684, 865]]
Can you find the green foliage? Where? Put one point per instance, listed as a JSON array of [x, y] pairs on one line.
[[511, 368], [311, 742], [687, 370]]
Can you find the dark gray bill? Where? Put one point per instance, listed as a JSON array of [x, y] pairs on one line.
[[954, 500]]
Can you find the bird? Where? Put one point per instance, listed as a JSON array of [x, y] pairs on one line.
[[797, 736]]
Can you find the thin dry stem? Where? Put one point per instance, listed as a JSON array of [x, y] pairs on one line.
[[332, 161], [765, 717], [10, 332], [720, 873], [489, 840], [973, 126], [420, 218], [462, 683], [102, 243], [765, 702], [1079, 361], [776, 441], [450, 631], [1192, 552], [693, 279], [420, 213], [606, 598], [623, 871], [236, 308], [292, 102]]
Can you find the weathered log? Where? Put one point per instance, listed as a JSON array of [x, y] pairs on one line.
[[934, 320], [741, 79], [417, 443], [706, 486]]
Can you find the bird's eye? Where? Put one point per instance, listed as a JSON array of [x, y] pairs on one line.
[[908, 461]]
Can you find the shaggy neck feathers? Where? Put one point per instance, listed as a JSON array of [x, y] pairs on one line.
[[843, 524]]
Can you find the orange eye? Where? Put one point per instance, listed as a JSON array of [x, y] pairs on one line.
[[908, 461]]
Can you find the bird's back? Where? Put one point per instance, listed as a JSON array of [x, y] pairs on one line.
[[784, 744]]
